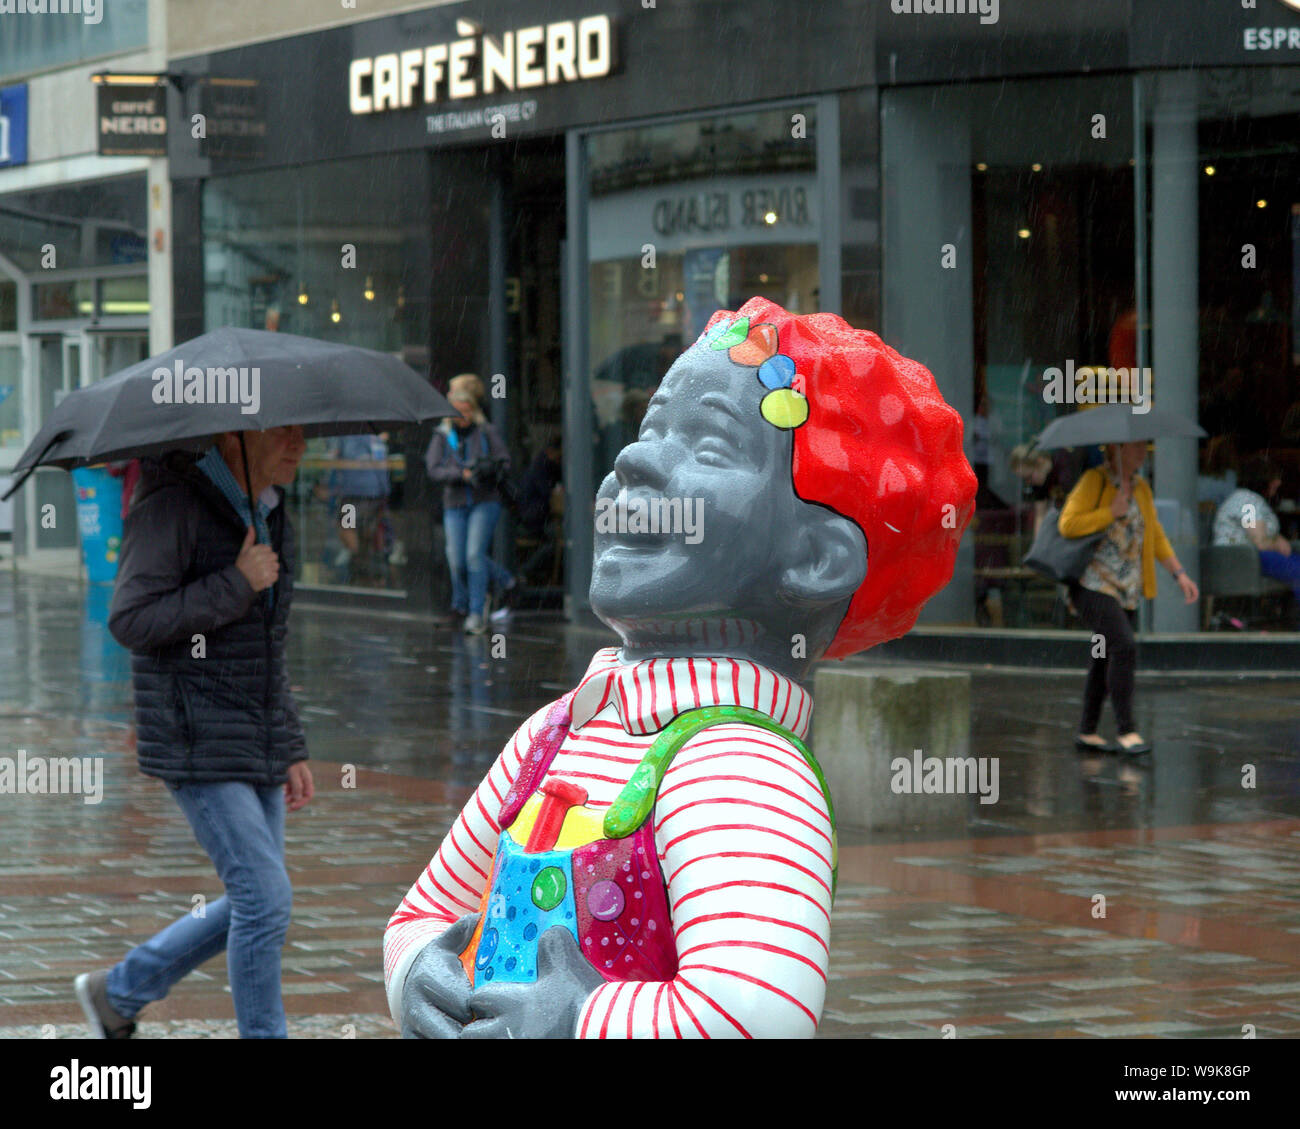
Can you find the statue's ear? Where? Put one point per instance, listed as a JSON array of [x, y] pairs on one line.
[[826, 559]]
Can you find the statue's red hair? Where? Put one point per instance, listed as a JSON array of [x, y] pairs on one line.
[[882, 448]]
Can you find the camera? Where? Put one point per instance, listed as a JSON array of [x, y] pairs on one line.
[[488, 472]]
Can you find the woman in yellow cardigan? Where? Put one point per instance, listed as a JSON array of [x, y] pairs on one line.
[[1116, 498]]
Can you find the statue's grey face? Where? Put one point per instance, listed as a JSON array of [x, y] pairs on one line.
[[704, 446]]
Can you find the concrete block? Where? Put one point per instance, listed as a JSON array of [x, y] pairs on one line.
[[864, 717]]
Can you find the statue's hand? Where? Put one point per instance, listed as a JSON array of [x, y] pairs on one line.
[[435, 997], [547, 1009]]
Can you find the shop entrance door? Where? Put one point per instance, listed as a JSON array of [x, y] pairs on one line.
[[497, 218], [110, 352], [65, 362], [51, 506], [534, 214]]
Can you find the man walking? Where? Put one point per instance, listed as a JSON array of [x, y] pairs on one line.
[[202, 602]]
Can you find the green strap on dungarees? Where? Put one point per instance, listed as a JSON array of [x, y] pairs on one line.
[[637, 798]]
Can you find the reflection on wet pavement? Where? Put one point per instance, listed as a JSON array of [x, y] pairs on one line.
[[991, 925]]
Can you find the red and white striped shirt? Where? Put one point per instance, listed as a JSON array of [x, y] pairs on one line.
[[742, 833]]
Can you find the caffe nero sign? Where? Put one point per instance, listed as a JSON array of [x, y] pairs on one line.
[[132, 120], [478, 63]]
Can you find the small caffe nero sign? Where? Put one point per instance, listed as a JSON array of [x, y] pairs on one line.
[[132, 120]]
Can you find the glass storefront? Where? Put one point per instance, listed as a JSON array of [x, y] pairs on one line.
[[337, 251], [74, 304], [1008, 251], [998, 230], [1229, 171], [1154, 229], [99, 223]]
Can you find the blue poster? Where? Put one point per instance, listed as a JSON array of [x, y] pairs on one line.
[[13, 125]]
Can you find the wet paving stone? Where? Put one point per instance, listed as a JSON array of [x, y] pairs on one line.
[[989, 925]]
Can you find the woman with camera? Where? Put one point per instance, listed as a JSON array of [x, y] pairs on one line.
[[469, 459]]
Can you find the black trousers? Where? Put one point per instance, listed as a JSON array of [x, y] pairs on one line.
[[1114, 661]]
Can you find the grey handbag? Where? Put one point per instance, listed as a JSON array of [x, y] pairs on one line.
[[1063, 559]]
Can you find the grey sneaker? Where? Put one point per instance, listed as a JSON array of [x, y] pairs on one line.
[[103, 1021], [474, 625]]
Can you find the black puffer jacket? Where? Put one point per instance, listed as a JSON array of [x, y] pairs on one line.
[[229, 715]]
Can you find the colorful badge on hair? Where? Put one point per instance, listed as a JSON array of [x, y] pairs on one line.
[[755, 346]]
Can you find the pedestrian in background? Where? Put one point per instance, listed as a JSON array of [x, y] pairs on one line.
[[202, 603], [541, 504], [469, 460], [1116, 498], [365, 488], [1246, 517]]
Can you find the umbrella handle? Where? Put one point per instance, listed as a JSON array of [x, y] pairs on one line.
[[248, 485]]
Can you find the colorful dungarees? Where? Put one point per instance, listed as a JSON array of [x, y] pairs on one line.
[[596, 874]]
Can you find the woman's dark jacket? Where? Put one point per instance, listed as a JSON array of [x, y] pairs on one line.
[[218, 708], [445, 462]]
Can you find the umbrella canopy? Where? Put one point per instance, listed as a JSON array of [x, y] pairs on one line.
[[1115, 423], [230, 380]]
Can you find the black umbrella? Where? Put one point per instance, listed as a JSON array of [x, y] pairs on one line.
[[230, 380], [1115, 423]]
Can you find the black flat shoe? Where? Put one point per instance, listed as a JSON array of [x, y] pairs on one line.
[[1092, 747]]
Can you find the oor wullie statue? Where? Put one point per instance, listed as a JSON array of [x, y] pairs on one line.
[[653, 855]]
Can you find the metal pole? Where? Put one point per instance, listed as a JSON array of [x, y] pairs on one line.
[[248, 485], [1141, 252]]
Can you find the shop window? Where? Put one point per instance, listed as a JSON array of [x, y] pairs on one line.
[[8, 306], [69, 298], [685, 219], [11, 396], [1026, 238], [1234, 156], [39, 42], [98, 223], [287, 250], [1009, 250], [124, 296], [112, 352]]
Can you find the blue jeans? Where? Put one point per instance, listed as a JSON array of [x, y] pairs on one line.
[[241, 827], [469, 532], [1278, 567]]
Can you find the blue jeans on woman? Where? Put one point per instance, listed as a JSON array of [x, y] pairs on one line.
[[241, 826], [469, 531]]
